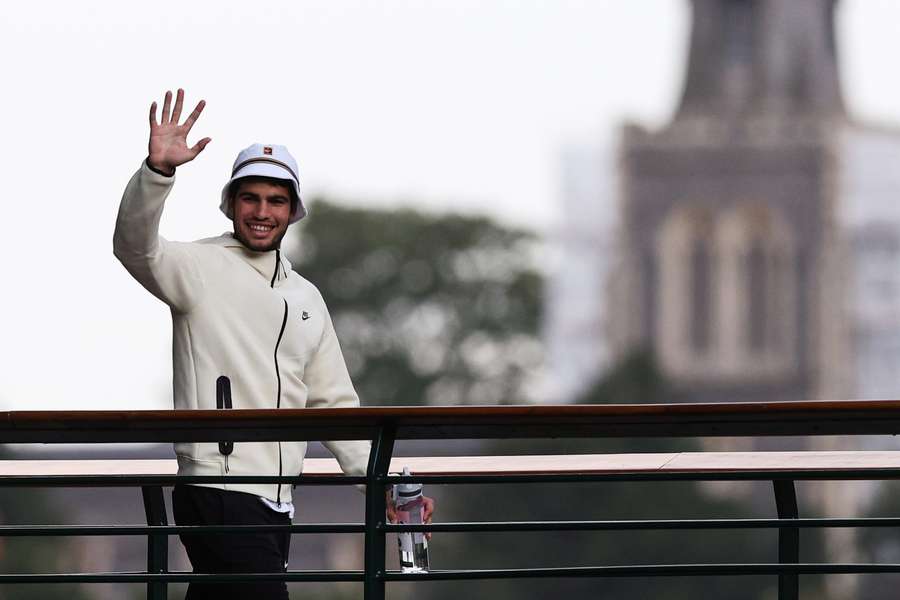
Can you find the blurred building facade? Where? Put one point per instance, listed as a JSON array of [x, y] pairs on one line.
[[871, 213], [576, 303], [877, 308]]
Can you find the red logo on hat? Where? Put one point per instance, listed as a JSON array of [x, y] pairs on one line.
[[267, 150]]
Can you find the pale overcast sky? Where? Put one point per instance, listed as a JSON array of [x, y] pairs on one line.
[[441, 105]]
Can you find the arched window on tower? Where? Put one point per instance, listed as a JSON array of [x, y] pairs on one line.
[[758, 299], [685, 328], [701, 294], [738, 31], [783, 277], [761, 295], [738, 21]]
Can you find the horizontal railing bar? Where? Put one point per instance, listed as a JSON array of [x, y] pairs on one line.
[[647, 571], [643, 462], [124, 530], [856, 417], [630, 525], [169, 480], [478, 526], [682, 570], [762, 474], [179, 577], [322, 480]]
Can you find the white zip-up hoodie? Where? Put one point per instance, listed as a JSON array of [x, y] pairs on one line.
[[245, 315]]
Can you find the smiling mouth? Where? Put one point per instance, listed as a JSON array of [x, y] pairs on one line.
[[260, 229]]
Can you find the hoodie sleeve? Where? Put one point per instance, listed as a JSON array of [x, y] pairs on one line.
[[329, 386], [168, 270]]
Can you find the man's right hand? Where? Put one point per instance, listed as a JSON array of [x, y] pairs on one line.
[[168, 140]]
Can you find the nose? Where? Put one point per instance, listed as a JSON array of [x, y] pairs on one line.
[[261, 209]]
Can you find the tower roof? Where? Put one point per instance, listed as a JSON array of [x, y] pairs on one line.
[[751, 57]]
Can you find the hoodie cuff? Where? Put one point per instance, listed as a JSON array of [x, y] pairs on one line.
[[157, 171]]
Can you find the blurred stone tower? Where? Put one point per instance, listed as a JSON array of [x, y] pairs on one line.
[[736, 267], [733, 257]]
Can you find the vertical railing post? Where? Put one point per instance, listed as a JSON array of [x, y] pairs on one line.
[[788, 538], [157, 544], [376, 504]]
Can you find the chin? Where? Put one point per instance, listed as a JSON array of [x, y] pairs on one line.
[[262, 245]]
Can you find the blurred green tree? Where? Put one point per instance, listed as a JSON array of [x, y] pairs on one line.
[[436, 309]]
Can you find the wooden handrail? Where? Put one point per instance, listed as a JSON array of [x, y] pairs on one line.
[[863, 417]]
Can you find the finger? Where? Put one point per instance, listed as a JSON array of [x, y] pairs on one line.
[[199, 146], [179, 100], [167, 104], [193, 116], [390, 508], [152, 115]]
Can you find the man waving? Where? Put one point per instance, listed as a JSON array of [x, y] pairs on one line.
[[248, 332]]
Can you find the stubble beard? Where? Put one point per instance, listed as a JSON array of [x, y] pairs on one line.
[[275, 245]]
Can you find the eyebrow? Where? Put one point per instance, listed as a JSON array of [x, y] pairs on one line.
[[271, 197]]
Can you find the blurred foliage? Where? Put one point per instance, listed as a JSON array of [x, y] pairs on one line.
[[436, 309], [636, 380]]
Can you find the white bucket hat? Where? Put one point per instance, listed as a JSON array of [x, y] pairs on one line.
[[265, 160]]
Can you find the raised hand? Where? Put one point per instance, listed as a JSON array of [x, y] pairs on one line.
[[168, 140]]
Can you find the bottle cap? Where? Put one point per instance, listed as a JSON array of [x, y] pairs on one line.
[[408, 490]]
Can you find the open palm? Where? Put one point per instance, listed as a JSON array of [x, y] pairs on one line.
[[168, 140]]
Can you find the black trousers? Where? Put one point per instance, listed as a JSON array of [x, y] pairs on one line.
[[231, 552]]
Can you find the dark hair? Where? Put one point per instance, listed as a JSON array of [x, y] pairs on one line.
[[287, 183]]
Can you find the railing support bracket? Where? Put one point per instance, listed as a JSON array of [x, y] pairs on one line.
[[788, 538], [157, 544], [376, 505]]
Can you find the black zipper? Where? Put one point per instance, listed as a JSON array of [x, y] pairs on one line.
[[277, 371], [277, 264], [223, 401]]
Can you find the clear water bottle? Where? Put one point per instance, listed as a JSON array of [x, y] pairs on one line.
[[410, 509]]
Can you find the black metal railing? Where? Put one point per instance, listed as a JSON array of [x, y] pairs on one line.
[[384, 426]]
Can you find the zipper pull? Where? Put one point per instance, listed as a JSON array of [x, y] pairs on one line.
[[226, 463]]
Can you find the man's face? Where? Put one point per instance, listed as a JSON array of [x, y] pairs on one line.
[[262, 213]]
